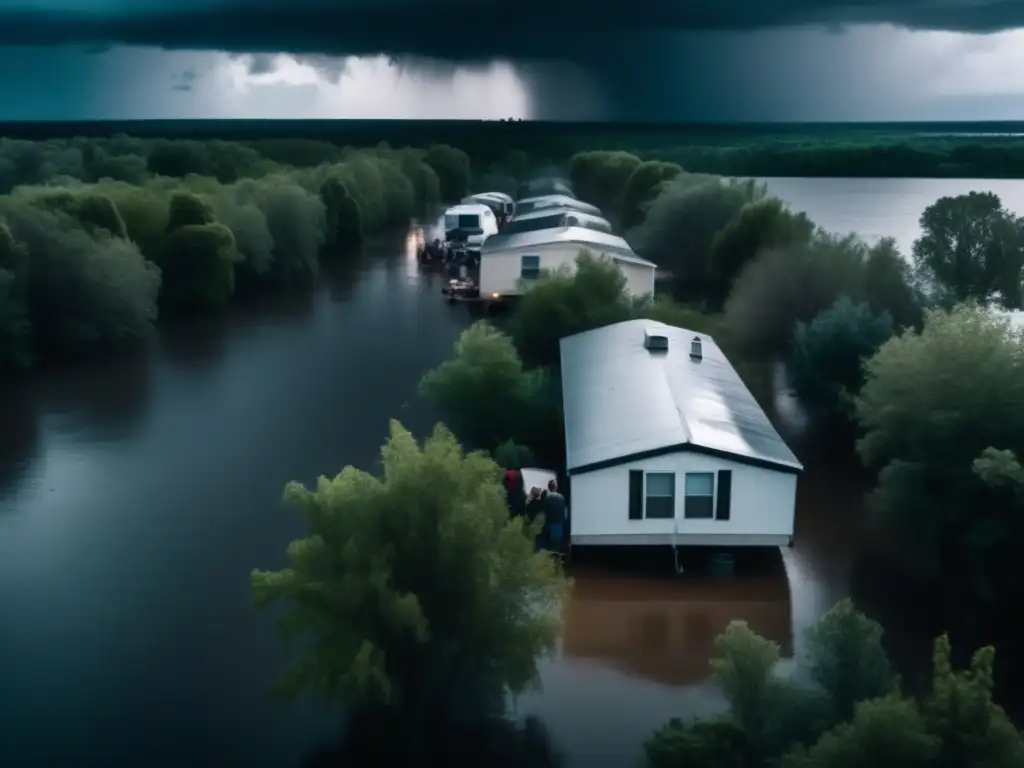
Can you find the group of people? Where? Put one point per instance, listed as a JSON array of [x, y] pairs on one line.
[[547, 502]]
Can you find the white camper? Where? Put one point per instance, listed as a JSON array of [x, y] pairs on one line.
[[511, 264]]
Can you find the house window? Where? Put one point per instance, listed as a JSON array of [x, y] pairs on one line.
[[529, 267], [660, 495], [700, 495]]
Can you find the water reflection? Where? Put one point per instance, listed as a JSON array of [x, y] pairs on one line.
[[375, 739], [343, 277], [19, 433], [195, 343], [663, 630], [107, 398]]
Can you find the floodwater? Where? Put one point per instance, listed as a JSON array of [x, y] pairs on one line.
[[137, 494]]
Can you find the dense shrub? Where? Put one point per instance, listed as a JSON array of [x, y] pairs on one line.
[[785, 286], [199, 267], [295, 221], [83, 291], [681, 225], [452, 167], [757, 227], [15, 326], [600, 177], [826, 366], [642, 186], [485, 390], [567, 303]]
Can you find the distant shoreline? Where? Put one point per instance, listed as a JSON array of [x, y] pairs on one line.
[[342, 128], [992, 150]]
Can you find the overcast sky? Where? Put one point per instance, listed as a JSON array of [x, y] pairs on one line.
[[910, 60]]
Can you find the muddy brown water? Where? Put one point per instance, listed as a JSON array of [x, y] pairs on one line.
[[137, 494]]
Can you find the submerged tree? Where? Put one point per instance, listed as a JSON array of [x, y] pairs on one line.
[[847, 660], [759, 226], [889, 731], [486, 393], [826, 365], [971, 247], [413, 585], [563, 304]]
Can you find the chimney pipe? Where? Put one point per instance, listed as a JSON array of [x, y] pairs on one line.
[[696, 350]]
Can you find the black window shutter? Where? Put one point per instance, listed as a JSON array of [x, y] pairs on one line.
[[636, 494], [724, 494]]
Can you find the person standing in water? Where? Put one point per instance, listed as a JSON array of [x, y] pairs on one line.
[[534, 507], [555, 514]]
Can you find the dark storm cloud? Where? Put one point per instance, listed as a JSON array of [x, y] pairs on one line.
[[457, 29], [653, 59], [261, 63]]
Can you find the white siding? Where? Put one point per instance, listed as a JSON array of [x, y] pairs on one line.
[[499, 271], [639, 278], [761, 511]]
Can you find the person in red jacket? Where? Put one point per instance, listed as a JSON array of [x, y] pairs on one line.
[[515, 496]]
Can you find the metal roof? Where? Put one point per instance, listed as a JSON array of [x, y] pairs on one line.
[[546, 185], [492, 195], [622, 402], [529, 204], [468, 208], [555, 210], [581, 236]]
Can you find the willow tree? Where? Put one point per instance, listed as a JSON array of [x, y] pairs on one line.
[[414, 585]]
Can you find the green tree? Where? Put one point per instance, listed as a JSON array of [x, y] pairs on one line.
[[425, 182], [84, 291], [15, 327], [974, 732], [757, 227], [712, 742], [178, 158], [680, 227], [146, 212], [744, 666], [847, 660], [452, 168], [826, 366], [199, 267], [932, 405], [972, 248], [642, 186], [344, 224], [484, 390], [889, 285], [253, 240], [786, 286], [295, 220], [187, 209], [887, 731], [413, 582], [510, 455], [560, 305], [94, 211], [600, 177]]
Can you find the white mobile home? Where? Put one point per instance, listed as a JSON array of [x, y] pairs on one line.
[[511, 263], [476, 220], [530, 204], [499, 202], [544, 186], [665, 445], [556, 218]]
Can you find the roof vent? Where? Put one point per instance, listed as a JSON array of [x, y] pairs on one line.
[[655, 341], [696, 350]]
